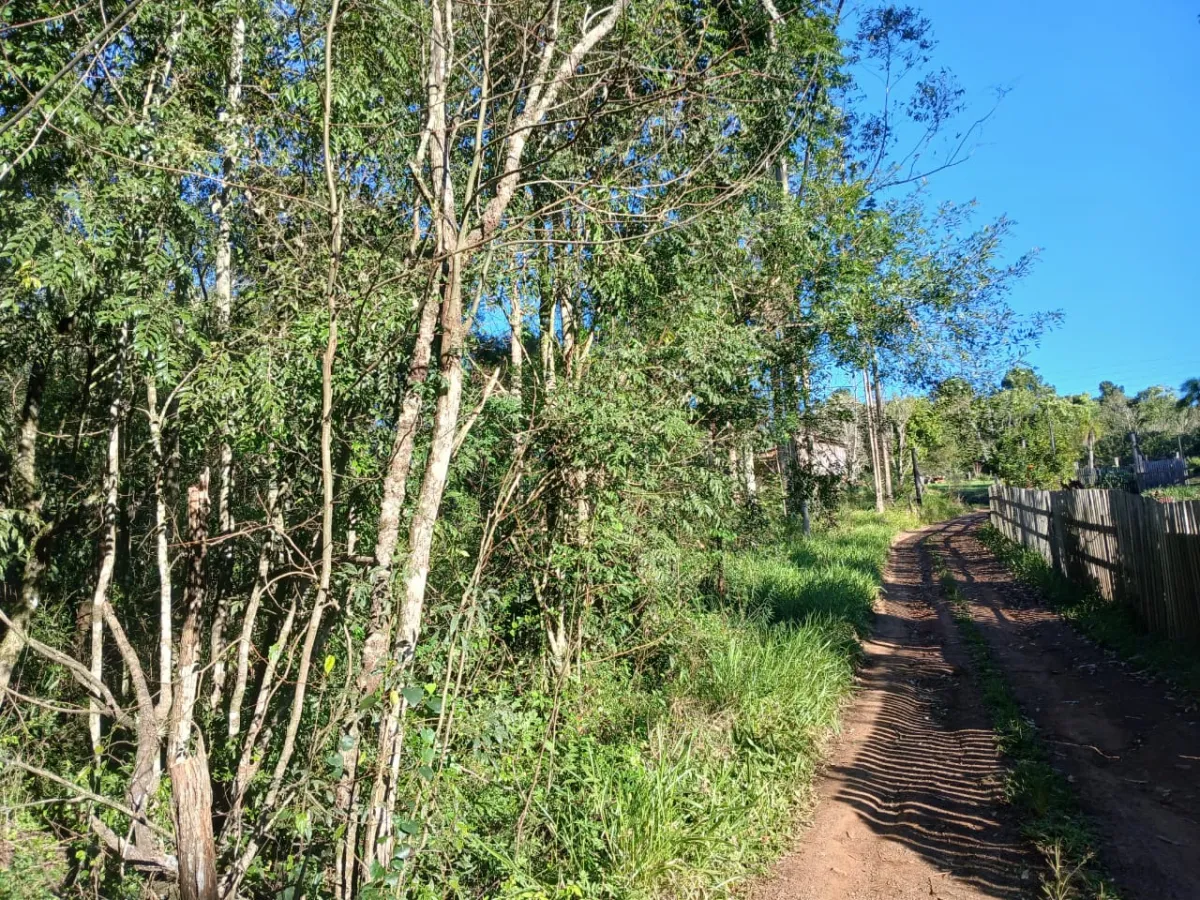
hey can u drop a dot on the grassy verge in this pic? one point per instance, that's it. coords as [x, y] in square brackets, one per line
[1050, 815]
[679, 772]
[671, 762]
[1178, 492]
[973, 493]
[1111, 625]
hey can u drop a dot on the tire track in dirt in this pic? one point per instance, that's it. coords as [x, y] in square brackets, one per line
[910, 804]
[1129, 746]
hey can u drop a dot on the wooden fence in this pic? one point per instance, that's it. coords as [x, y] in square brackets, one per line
[1154, 473]
[1149, 473]
[1131, 549]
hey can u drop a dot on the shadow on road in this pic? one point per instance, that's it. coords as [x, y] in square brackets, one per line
[927, 775]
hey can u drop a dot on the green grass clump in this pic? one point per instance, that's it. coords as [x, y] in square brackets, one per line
[1113, 625]
[677, 773]
[940, 505]
[972, 493]
[777, 686]
[1050, 814]
[835, 572]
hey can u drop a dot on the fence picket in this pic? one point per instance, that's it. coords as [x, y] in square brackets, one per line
[1131, 549]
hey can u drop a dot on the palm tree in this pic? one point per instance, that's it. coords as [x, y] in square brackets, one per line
[1087, 412]
[1093, 431]
[1190, 390]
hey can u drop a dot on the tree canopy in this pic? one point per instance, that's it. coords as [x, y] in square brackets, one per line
[369, 365]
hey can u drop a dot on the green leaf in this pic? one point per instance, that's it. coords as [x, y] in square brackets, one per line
[336, 764]
[408, 826]
[413, 694]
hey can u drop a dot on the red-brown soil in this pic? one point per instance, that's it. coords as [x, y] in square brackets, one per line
[1128, 743]
[910, 804]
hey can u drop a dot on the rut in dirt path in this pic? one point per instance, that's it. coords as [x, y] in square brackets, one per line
[1129, 745]
[910, 805]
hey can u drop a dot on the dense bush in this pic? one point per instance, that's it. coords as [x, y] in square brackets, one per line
[672, 770]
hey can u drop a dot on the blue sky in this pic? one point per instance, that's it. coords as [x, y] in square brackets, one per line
[1095, 153]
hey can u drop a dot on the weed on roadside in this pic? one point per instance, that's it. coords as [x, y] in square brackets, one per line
[1050, 816]
[678, 773]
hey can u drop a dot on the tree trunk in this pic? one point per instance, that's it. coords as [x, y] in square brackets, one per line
[873, 444]
[882, 432]
[395, 485]
[853, 450]
[250, 616]
[546, 329]
[223, 260]
[108, 542]
[191, 791]
[191, 800]
[785, 453]
[27, 493]
[783, 483]
[918, 487]
[809, 446]
[420, 544]
[223, 303]
[516, 347]
[161, 552]
[321, 600]
[749, 481]
[250, 762]
[375, 648]
[454, 245]
[143, 781]
[14, 638]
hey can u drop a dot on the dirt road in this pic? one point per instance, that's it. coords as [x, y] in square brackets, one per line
[910, 805]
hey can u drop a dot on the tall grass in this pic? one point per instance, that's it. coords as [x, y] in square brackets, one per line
[677, 774]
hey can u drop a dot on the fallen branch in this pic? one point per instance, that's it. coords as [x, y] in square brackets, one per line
[131, 852]
[87, 681]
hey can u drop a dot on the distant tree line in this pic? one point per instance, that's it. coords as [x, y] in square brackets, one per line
[1027, 434]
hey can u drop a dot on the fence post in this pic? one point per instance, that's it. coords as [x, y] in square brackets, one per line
[1131, 549]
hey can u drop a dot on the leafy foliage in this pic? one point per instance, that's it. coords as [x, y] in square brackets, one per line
[395, 398]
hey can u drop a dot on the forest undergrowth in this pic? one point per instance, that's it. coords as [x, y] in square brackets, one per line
[674, 769]
[678, 769]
